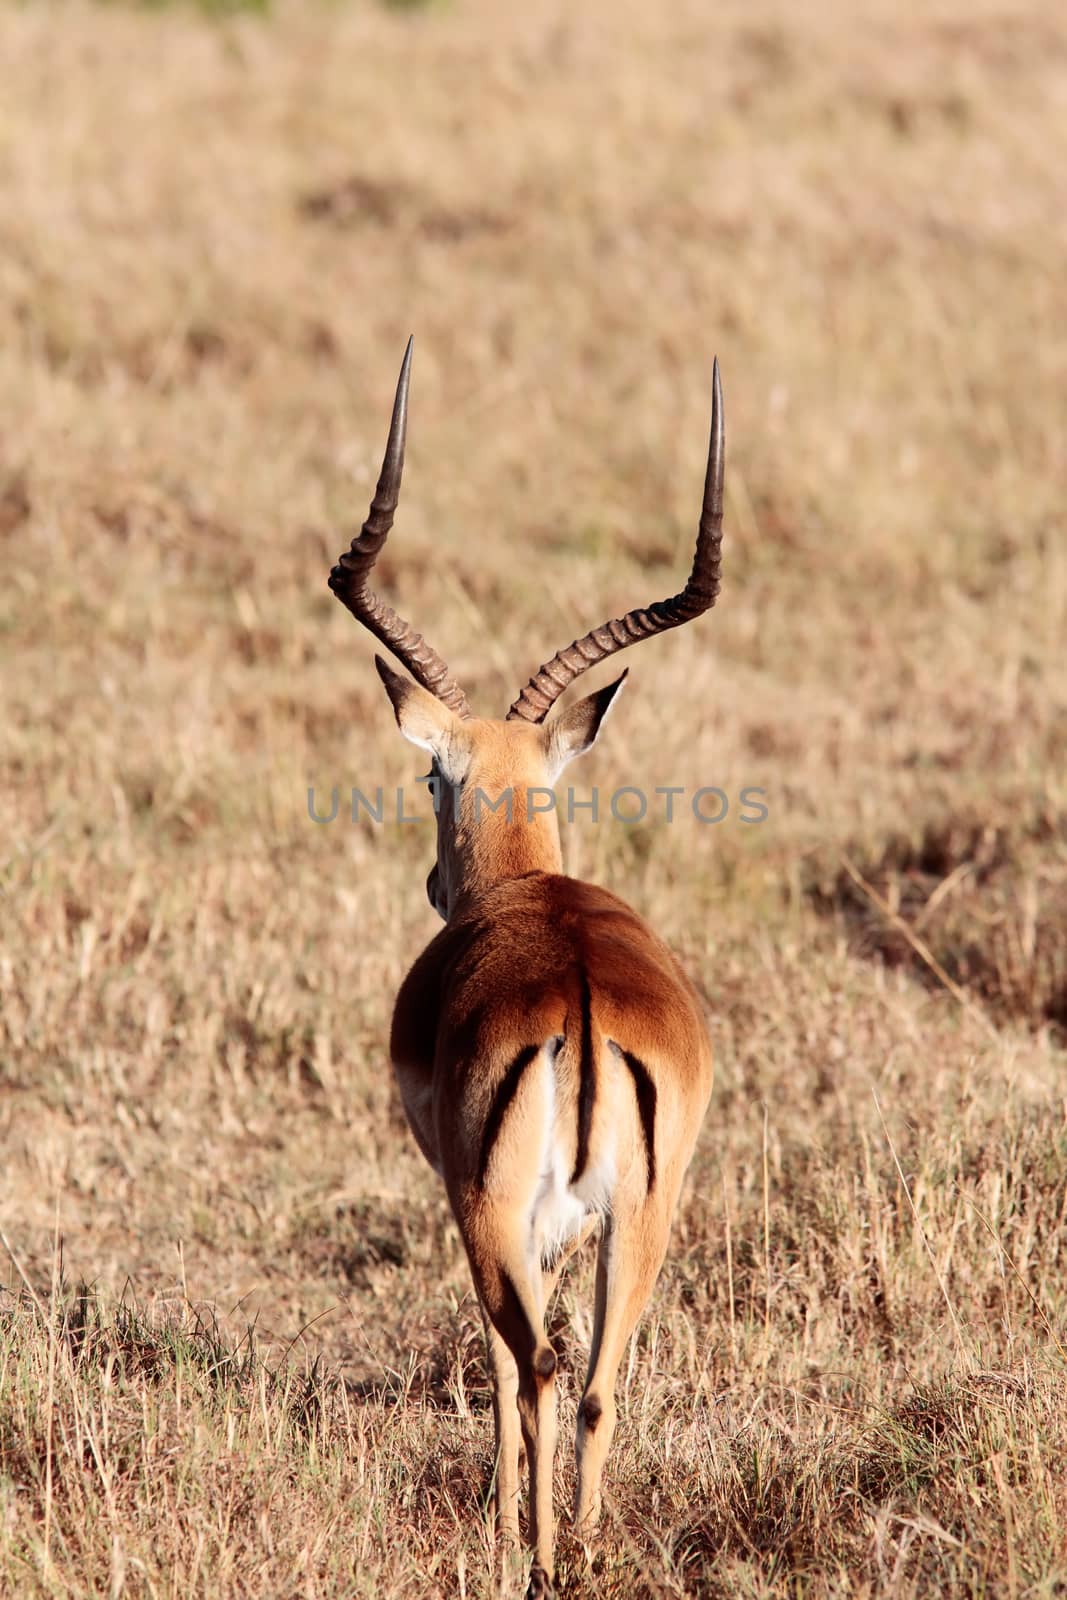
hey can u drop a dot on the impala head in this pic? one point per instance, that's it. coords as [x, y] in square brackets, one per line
[492, 783]
[491, 821]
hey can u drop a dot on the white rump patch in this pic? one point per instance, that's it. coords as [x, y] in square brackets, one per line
[559, 1207]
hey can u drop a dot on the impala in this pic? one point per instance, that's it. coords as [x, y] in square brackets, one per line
[550, 1051]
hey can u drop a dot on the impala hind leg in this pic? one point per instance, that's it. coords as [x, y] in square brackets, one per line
[628, 1264]
[550, 1276]
[504, 1382]
[512, 1305]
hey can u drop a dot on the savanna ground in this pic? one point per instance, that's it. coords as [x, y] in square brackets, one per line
[240, 1352]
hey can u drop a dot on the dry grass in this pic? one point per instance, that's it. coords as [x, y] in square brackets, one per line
[215, 237]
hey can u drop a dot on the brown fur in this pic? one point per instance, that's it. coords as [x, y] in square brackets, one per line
[534, 974]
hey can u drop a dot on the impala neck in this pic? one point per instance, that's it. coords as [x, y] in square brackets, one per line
[486, 847]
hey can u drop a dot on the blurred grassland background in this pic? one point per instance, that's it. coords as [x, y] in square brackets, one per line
[240, 1355]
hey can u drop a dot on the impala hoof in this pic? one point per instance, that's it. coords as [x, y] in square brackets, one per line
[540, 1586]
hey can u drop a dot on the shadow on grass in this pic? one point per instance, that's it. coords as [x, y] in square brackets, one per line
[986, 898]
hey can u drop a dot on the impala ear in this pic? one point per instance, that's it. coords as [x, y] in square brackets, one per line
[427, 722]
[576, 730]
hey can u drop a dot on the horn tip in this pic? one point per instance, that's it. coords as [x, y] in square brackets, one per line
[405, 375]
[405, 365]
[716, 414]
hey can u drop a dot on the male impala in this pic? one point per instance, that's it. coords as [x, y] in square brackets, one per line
[550, 1051]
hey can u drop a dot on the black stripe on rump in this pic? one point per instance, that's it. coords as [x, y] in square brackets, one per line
[645, 1090]
[586, 1082]
[505, 1094]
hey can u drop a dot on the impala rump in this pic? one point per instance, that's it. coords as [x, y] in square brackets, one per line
[567, 1121]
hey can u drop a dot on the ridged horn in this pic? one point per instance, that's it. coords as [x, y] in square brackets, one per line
[698, 596]
[350, 578]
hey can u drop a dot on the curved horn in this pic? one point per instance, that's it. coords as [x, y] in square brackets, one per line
[350, 578]
[549, 682]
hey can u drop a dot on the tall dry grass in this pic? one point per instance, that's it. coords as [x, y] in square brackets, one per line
[240, 1354]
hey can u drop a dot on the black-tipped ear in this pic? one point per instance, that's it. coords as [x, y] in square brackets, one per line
[397, 687]
[427, 721]
[576, 730]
